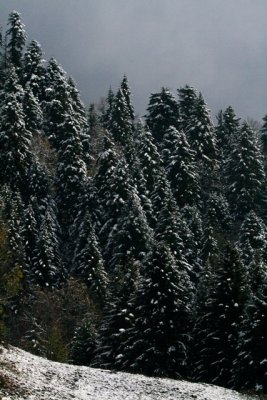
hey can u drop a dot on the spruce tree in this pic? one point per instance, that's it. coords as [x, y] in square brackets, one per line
[201, 134]
[181, 168]
[33, 69]
[121, 124]
[15, 139]
[162, 113]
[187, 101]
[48, 270]
[117, 318]
[129, 239]
[157, 344]
[71, 171]
[16, 39]
[245, 175]
[106, 116]
[87, 262]
[127, 95]
[249, 368]
[218, 320]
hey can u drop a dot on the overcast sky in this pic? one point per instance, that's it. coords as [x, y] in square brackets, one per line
[218, 46]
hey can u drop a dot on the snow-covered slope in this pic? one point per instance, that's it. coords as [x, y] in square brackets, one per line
[29, 377]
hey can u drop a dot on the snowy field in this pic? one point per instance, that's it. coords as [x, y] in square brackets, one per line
[33, 378]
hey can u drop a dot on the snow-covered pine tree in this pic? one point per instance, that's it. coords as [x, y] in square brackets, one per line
[227, 132]
[170, 229]
[127, 95]
[16, 39]
[201, 133]
[158, 342]
[129, 239]
[249, 367]
[252, 243]
[244, 173]
[83, 344]
[121, 124]
[187, 100]
[32, 111]
[87, 262]
[48, 270]
[107, 112]
[113, 184]
[162, 112]
[33, 69]
[219, 317]
[181, 168]
[15, 139]
[29, 233]
[80, 117]
[149, 159]
[118, 317]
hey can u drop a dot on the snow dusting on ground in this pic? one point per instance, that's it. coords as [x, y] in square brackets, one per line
[29, 377]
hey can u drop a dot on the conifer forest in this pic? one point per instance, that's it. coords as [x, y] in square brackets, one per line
[130, 244]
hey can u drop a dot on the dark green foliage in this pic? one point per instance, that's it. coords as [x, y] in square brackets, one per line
[118, 316]
[16, 39]
[162, 113]
[48, 269]
[201, 134]
[88, 263]
[83, 344]
[219, 316]
[15, 154]
[181, 168]
[245, 174]
[127, 95]
[187, 101]
[157, 344]
[121, 124]
[250, 365]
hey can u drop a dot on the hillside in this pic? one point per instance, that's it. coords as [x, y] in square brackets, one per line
[25, 376]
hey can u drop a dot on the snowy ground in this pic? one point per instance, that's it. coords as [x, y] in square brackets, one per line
[33, 378]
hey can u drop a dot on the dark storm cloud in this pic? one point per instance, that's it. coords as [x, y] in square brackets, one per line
[219, 46]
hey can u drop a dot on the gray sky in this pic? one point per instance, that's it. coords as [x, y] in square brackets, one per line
[218, 46]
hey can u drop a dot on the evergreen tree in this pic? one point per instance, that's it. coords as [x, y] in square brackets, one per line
[129, 239]
[181, 168]
[162, 113]
[88, 262]
[218, 321]
[157, 344]
[150, 161]
[71, 171]
[47, 270]
[227, 132]
[33, 69]
[245, 174]
[83, 343]
[170, 230]
[250, 365]
[201, 134]
[127, 95]
[188, 98]
[121, 124]
[16, 39]
[32, 111]
[106, 116]
[15, 139]
[30, 237]
[118, 317]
